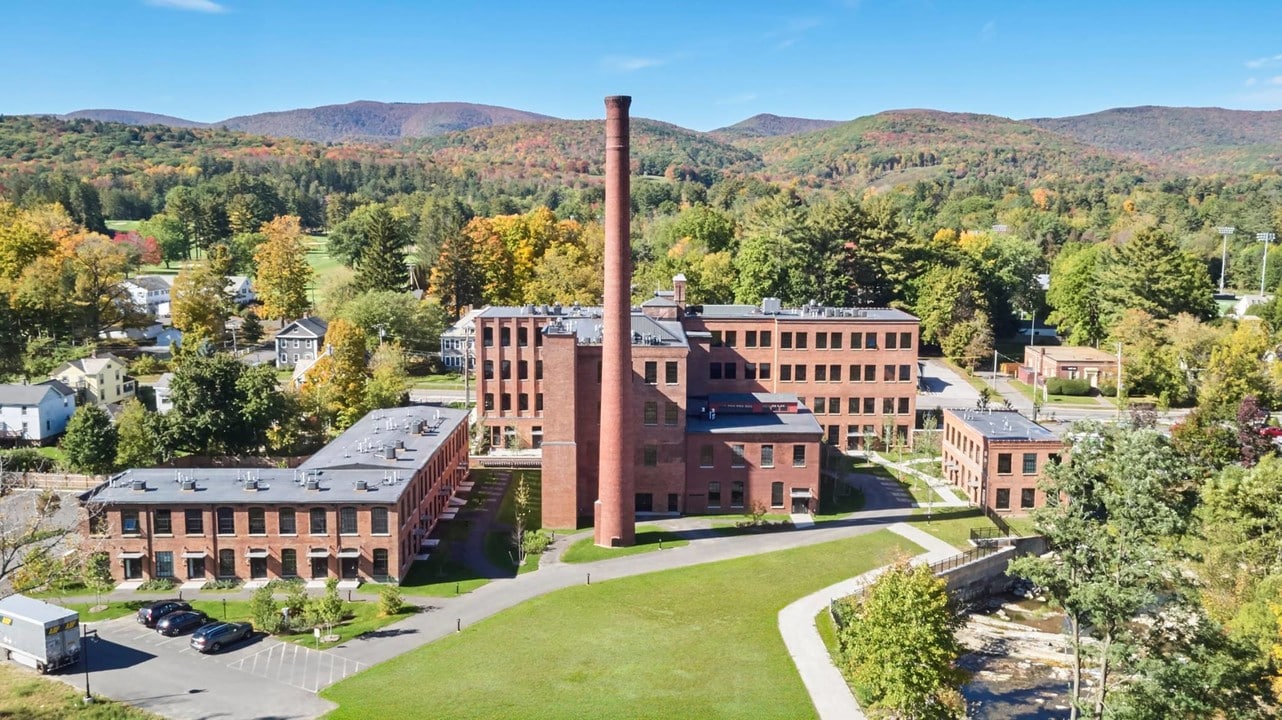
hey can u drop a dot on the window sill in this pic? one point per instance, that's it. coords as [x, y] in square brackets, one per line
[163, 535]
[287, 534]
[255, 535]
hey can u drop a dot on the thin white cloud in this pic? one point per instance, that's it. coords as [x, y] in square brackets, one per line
[617, 63]
[988, 31]
[1249, 82]
[1275, 80]
[791, 31]
[738, 99]
[1263, 61]
[204, 6]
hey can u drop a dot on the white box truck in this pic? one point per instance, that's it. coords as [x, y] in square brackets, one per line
[38, 634]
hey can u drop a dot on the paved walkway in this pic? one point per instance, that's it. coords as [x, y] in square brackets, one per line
[948, 498]
[827, 686]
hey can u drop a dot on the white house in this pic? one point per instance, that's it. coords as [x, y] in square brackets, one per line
[163, 402]
[149, 293]
[35, 414]
[240, 289]
[300, 341]
[459, 339]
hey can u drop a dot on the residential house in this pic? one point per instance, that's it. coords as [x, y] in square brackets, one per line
[35, 414]
[458, 340]
[149, 293]
[300, 340]
[97, 380]
[240, 289]
[161, 387]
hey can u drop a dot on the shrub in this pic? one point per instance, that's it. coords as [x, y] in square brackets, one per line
[390, 600]
[296, 602]
[262, 607]
[147, 364]
[1063, 386]
[224, 584]
[285, 584]
[1108, 389]
[26, 460]
[536, 542]
[157, 584]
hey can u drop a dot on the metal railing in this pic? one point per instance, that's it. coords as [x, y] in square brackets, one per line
[999, 522]
[986, 536]
[964, 558]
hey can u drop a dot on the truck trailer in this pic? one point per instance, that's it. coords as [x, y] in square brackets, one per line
[38, 634]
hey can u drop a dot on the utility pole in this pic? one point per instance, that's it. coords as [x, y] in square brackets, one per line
[1266, 238]
[1120, 386]
[994, 367]
[1032, 329]
[1225, 231]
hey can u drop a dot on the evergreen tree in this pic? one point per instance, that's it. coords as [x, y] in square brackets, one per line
[382, 265]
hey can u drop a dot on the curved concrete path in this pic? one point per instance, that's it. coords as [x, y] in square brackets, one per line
[827, 686]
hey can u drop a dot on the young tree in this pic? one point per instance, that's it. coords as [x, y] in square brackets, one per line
[264, 610]
[898, 640]
[1237, 368]
[388, 383]
[326, 610]
[390, 600]
[26, 526]
[284, 274]
[90, 441]
[140, 437]
[252, 328]
[520, 516]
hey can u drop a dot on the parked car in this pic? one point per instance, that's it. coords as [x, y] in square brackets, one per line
[216, 636]
[151, 614]
[177, 623]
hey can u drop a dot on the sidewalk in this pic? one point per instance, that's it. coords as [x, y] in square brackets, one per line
[948, 498]
[827, 686]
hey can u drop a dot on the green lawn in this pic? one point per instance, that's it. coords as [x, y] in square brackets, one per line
[110, 612]
[25, 695]
[360, 617]
[697, 642]
[1083, 400]
[122, 225]
[916, 487]
[827, 628]
[438, 382]
[649, 538]
[438, 576]
[951, 524]
[837, 499]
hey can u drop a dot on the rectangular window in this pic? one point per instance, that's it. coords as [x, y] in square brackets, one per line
[347, 521]
[1027, 497]
[286, 521]
[785, 373]
[318, 521]
[802, 341]
[487, 369]
[522, 370]
[870, 406]
[821, 373]
[767, 456]
[226, 562]
[834, 373]
[799, 373]
[671, 414]
[289, 562]
[834, 406]
[506, 402]
[523, 336]
[488, 402]
[765, 338]
[763, 371]
[257, 521]
[705, 456]
[820, 406]
[193, 522]
[798, 455]
[538, 369]
[821, 341]
[736, 456]
[888, 373]
[736, 493]
[749, 371]
[776, 494]
[538, 402]
[1030, 463]
[732, 371]
[670, 372]
[716, 339]
[523, 402]
[651, 372]
[651, 413]
[890, 341]
[164, 523]
[714, 495]
[903, 406]
[856, 374]
[1003, 498]
[129, 522]
[714, 371]
[905, 341]
[856, 341]
[487, 337]
[505, 369]
[164, 564]
[1003, 463]
[750, 338]
[785, 340]
[852, 406]
[870, 373]
[226, 521]
[650, 455]
[834, 341]
[731, 337]
[505, 337]
[380, 562]
[905, 373]
[888, 406]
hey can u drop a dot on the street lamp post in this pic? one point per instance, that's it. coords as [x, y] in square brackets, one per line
[1266, 238]
[84, 657]
[1225, 231]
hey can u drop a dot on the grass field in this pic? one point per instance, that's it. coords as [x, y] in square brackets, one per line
[697, 642]
[1075, 400]
[649, 538]
[24, 695]
[951, 524]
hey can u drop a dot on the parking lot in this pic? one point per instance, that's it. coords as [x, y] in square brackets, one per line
[259, 678]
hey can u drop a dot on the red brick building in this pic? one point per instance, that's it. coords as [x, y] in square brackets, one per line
[358, 508]
[997, 457]
[1068, 362]
[816, 374]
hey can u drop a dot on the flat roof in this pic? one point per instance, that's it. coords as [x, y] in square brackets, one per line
[362, 445]
[37, 611]
[761, 397]
[1002, 424]
[800, 423]
[1072, 353]
[806, 313]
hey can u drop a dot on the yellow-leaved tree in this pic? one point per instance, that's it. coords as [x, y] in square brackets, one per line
[283, 274]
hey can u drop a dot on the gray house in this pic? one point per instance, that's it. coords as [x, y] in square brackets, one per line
[300, 340]
[35, 414]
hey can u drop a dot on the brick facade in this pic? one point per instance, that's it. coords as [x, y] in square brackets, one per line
[997, 458]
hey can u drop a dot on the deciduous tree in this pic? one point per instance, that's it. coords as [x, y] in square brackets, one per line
[140, 437]
[284, 275]
[198, 304]
[90, 441]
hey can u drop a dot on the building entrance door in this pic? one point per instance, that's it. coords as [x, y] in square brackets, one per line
[320, 567]
[133, 568]
[257, 568]
[645, 502]
[800, 505]
[195, 568]
[349, 565]
[673, 501]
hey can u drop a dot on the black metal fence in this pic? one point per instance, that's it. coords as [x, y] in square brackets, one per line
[999, 522]
[960, 559]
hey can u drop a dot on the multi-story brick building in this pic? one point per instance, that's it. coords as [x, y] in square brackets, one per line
[997, 457]
[358, 508]
[782, 377]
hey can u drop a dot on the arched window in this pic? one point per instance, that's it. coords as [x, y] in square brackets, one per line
[257, 521]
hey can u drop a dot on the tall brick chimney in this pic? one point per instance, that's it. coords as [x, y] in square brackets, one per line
[614, 511]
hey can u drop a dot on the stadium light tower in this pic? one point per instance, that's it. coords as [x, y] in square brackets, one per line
[1266, 238]
[1224, 231]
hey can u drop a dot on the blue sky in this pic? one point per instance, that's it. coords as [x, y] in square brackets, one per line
[695, 63]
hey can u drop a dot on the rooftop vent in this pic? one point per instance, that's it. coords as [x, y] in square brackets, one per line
[361, 485]
[138, 485]
[187, 484]
[389, 452]
[771, 305]
[251, 484]
[313, 483]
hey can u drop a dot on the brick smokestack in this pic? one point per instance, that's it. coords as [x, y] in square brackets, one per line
[615, 514]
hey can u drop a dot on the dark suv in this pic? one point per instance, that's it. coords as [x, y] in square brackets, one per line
[215, 637]
[151, 614]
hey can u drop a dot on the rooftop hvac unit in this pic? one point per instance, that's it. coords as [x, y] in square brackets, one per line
[187, 484]
[139, 485]
[251, 484]
[313, 484]
[389, 452]
[361, 485]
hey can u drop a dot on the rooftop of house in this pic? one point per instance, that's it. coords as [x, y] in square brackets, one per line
[372, 462]
[1000, 424]
[90, 365]
[305, 327]
[1071, 353]
[152, 283]
[465, 324]
[24, 394]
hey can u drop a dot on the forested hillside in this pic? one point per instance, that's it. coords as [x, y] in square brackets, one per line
[767, 125]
